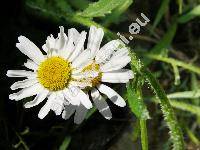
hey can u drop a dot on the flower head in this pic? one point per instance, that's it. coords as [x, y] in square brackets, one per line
[108, 61]
[54, 75]
[67, 74]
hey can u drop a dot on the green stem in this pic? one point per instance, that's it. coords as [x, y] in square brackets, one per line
[169, 116]
[144, 137]
[175, 62]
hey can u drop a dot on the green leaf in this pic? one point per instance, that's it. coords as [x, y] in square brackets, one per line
[190, 15]
[101, 8]
[175, 62]
[79, 4]
[169, 115]
[115, 16]
[185, 94]
[136, 104]
[186, 107]
[164, 42]
[63, 6]
[192, 136]
[65, 143]
[58, 7]
[160, 13]
[90, 113]
[138, 107]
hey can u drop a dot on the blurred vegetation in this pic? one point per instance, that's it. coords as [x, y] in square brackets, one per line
[163, 109]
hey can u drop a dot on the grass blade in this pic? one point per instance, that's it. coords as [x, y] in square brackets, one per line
[175, 62]
[186, 107]
[65, 143]
[190, 15]
[163, 43]
[160, 13]
[185, 94]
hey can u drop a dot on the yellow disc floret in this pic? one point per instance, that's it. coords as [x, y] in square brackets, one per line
[94, 67]
[54, 73]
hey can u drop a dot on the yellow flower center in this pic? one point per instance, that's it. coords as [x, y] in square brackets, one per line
[54, 73]
[94, 67]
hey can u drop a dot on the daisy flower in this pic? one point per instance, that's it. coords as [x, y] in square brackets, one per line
[109, 62]
[54, 75]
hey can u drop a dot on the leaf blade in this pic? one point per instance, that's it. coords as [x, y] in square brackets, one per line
[136, 104]
[101, 8]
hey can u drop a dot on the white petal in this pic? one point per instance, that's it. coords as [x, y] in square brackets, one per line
[101, 104]
[50, 44]
[105, 52]
[31, 65]
[20, 73]
[75, 35]
[68, 111]
[82, 60]
[94, 40]
[61, 40]
[78, 47]
[81, 84]
[58, 103]
[112, 95]
[69, 46]
[57, 107]
[118, 76]
[23, 84]
[38, 99]
[30, 49]
[120, 53]
[70, 94]
[47, 107]
[26, 92]
[52, 52]
[76, 96]
[115, 65]
[85, 75]
[80, 114]
[84, 98]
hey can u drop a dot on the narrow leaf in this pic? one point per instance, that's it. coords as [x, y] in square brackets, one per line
[79, 4]
[192, 136]
[65, 143]
[160, 13]
[190, 15]
[136, 104]
[169, 116]
[115, 16]
[175, 62]
[164, 42]
[186, 107]
[185, 94]
[101, 8]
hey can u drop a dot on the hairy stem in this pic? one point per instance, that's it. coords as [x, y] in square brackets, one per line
[169, 116]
